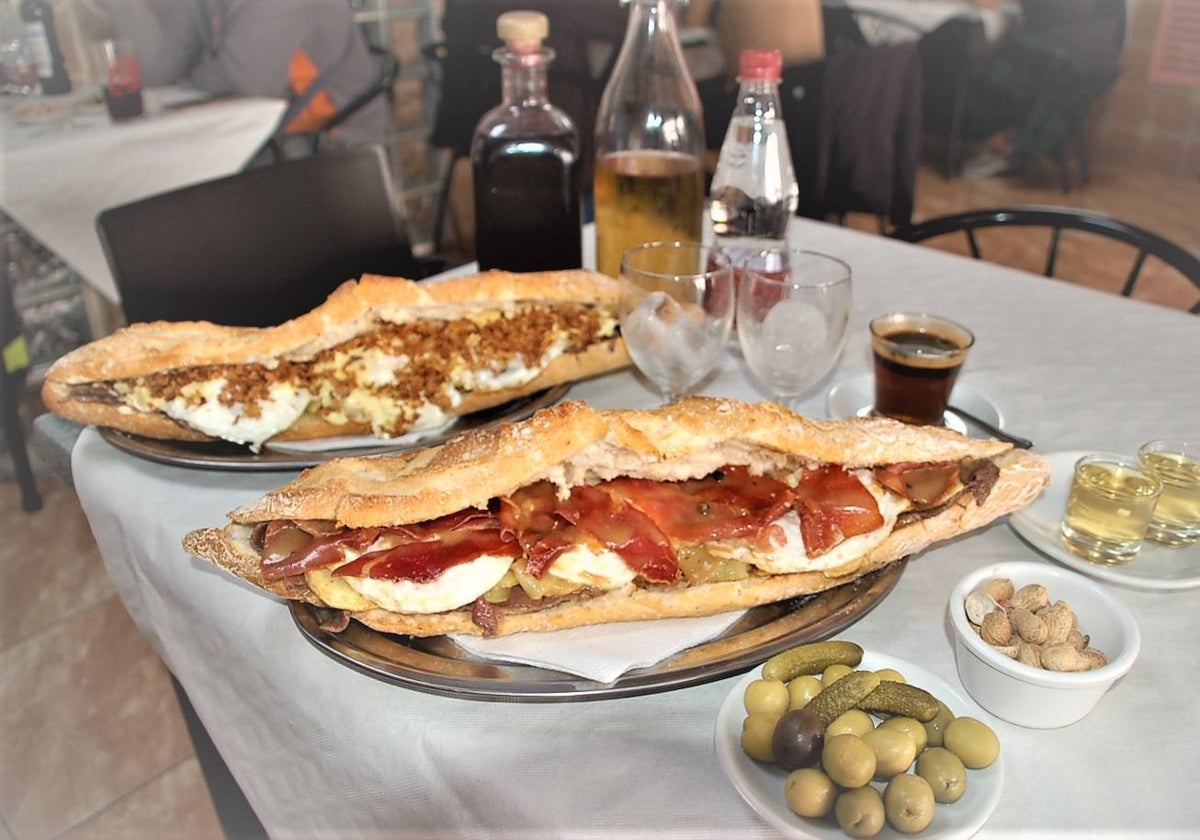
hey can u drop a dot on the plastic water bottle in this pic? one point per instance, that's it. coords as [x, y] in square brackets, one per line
[754, 192]
[41, 38]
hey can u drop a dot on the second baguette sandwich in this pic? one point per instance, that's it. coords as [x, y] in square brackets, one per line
[382, 356]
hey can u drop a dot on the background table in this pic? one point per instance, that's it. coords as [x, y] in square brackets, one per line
[58, 173]
[322, 750]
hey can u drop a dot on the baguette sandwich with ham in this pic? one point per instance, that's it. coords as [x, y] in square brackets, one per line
[581, 516]
[381, 356]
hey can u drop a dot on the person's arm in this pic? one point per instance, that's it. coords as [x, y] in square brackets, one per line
[165, 35]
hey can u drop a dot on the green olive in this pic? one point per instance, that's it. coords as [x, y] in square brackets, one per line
[972, 741]
[801, 690]
[860, 812]
[894, 751]
[911, 727]
[757, 731]
[848, 760]
[834, 673]
[908, 803]
[809, 792]
[936, 728]
[770, 696]
[854, 721]
[945, 773]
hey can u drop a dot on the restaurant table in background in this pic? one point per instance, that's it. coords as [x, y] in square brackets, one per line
[323, 750]
[64, 161]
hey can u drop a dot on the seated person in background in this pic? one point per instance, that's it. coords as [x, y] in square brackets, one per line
[308, 51]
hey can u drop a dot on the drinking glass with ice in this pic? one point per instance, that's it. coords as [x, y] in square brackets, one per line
[676, 311]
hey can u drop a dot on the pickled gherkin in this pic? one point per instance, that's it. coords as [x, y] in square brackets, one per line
[843, 695]
[811, 659]
[894, 698]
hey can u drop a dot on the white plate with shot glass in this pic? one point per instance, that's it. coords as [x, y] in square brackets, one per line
[1155, 567]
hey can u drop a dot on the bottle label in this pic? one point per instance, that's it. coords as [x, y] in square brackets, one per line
[39, 48]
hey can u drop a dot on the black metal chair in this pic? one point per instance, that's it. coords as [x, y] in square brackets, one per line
[1057, 219]
[260, 246]
[12, 387]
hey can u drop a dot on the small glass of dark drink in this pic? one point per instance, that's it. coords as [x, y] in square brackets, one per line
[917, 359]
[123, 81]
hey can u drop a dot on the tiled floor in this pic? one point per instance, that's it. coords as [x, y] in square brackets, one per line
[94, 744]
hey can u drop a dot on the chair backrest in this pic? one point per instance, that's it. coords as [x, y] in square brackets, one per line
[387, 71]
[1057, 219]
[260, 246]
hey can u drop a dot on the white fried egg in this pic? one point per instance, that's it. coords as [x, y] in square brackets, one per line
[602, 569]
[279, 411]
[457, 586]
[792, 556]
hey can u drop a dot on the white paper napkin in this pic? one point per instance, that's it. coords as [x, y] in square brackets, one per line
[601, 652]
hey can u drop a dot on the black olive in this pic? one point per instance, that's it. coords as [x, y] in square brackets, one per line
[798, 740]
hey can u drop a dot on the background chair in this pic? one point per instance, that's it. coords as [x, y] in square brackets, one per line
[1142, 243]
[383, 84]
[12, 387]
[261, 246]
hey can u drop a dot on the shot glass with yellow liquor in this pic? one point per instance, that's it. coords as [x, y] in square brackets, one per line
[1176, 464]
[1109, 507]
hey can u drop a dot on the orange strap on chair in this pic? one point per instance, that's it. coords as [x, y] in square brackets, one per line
[303, 73]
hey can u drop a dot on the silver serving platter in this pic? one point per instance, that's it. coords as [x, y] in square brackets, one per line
[438, 666]
[222, 455]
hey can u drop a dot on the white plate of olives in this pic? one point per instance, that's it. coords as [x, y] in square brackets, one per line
[762, 785]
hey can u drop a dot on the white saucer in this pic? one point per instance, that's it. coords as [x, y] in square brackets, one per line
[1156, 567]
[855, 398]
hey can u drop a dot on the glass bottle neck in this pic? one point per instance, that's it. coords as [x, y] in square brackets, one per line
[523, 75]
[649, 18]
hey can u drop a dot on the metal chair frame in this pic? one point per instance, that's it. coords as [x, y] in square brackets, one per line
[1058, 219]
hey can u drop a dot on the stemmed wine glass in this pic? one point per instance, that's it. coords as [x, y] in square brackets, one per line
[676, 310]
[792, 312]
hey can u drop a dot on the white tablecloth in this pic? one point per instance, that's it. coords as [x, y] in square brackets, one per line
[324, 751]
[57, 174]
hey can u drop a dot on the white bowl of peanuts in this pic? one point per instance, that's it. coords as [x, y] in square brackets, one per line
[1038, 645]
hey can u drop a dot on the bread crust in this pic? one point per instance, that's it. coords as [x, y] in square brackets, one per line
[353, 309]
[574, 443]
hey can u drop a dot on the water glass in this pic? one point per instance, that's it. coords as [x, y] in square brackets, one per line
[1109, 507]
[793, 311]
[676, 308]
[1175, 463]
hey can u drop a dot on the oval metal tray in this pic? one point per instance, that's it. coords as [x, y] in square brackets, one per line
[223, 455]
[437, 666]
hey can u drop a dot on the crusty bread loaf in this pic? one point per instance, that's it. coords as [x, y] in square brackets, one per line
[353, 310]
[572, 444]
